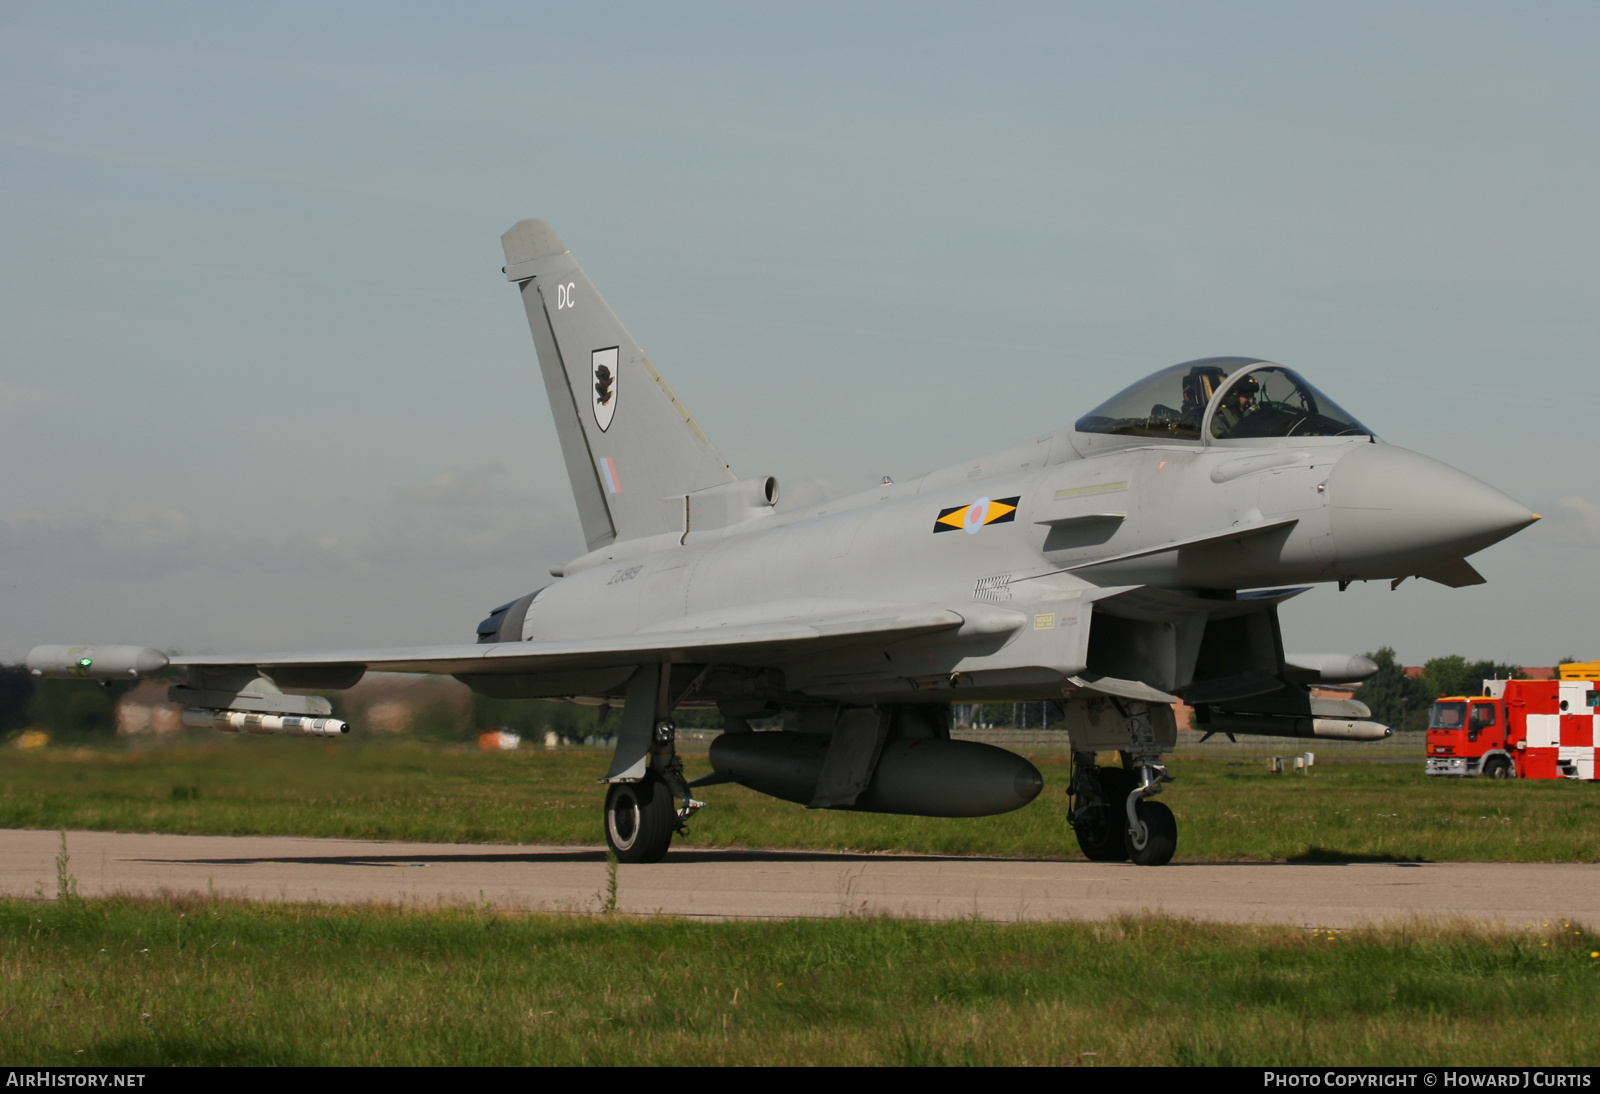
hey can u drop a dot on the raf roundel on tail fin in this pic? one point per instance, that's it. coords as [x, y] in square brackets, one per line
[587, 356]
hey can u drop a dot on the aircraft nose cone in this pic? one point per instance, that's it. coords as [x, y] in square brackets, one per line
[1394, 511]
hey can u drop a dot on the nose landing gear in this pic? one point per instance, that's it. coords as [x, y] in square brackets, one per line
[1151, 835]
[1112, 817]
[1109, 808]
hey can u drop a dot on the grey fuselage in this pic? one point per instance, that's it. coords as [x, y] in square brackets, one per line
[1309, 510]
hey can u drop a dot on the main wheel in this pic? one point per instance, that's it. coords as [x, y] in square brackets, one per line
[1100, 831]
[1156, 838]
[1499, 767]
[640, 819]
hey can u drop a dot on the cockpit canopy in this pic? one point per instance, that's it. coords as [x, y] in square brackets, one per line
[1262, 400]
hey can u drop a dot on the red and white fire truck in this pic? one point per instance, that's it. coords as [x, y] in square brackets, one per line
[1520, 729]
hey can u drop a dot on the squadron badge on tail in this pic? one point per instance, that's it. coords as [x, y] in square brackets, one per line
[604, 364]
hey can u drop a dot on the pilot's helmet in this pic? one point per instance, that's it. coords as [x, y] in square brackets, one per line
[1200, 384]
[1245, 388]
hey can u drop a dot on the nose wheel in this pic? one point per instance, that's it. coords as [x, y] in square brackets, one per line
[1153, 836]
[1113, 817]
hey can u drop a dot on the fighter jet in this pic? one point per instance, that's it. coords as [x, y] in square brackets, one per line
[1131, 558]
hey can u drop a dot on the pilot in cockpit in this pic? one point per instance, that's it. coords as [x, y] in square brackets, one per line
[1267, 401]
[1238, 401]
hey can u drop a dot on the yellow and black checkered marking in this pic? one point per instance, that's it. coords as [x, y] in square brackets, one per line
[996, 511]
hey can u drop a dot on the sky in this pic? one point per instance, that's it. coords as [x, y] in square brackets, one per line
[263, 385]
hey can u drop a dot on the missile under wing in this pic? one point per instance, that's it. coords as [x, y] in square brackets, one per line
[1111, 567]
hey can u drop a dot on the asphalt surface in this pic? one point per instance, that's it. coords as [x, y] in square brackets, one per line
[785, 884]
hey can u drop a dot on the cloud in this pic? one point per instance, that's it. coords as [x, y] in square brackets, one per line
[136, 538]
[1573, 522]
[455, 488]
[18, 398]
[455, 520]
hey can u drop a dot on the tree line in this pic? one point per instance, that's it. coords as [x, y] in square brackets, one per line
[1401, 701]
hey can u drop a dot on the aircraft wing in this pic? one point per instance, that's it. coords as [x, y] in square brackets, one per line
[730, 644]
[793, 627]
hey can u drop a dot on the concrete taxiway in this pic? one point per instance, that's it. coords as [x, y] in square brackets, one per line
[784, 884]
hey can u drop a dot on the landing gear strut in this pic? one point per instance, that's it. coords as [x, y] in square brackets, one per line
[1152, 832]
[640, 819]
[641, 815]
[646, 773]
[1110, 811]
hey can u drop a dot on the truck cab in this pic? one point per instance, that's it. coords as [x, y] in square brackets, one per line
[1467, 736]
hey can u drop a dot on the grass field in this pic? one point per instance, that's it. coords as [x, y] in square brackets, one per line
[1227, 808]
[118, 982]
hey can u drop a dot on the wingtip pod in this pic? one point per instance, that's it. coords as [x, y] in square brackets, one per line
[95, 662]
[526, 242]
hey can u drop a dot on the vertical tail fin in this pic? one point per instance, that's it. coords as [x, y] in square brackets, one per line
[632, 450]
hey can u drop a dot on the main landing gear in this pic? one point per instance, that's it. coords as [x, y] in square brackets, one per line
[1111, 813]
[641, 813]
[640, 819]
[646, 774]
